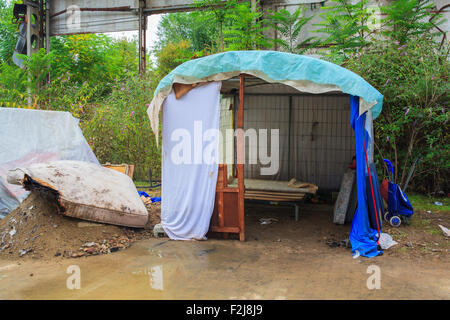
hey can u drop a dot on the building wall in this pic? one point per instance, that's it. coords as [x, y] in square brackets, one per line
[314, 8]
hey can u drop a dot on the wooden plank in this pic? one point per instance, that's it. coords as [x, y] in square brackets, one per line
[275, 186]
[268, 198]
[225, 229]
[221, 199]
[221, 189]
[240, 157]
[343, 199]
[274, 193]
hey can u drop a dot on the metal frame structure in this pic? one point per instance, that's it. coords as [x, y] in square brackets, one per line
[132, 15]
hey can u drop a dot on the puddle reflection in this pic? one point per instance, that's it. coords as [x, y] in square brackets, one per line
[155, 274]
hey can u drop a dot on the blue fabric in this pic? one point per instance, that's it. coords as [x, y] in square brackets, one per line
[390, 166]
[277, 66]
[398, 202]
[362, 237]
[145, 194]
[156, 199]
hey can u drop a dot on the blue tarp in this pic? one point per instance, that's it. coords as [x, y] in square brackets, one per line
[362, 237]
[145, 194]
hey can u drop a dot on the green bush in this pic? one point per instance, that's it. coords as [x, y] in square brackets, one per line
[413, 79]
[118, 129]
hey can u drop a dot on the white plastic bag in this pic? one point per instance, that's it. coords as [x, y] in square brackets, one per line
[36, 136]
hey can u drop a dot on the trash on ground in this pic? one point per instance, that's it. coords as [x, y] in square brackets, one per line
[386, 241]
[145, 197]
[158, 231]
[334, 243]
[445, 230]
[124, 168]
[438, 203]
[86, 191]
[267, 220]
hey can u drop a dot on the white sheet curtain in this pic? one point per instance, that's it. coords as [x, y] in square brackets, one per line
[189, 164]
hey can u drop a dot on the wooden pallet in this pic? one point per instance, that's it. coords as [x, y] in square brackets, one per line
[273, 195]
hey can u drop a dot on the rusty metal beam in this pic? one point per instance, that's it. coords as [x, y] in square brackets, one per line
[117, 9]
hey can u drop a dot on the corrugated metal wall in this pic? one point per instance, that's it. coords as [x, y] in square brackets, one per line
[316, 139]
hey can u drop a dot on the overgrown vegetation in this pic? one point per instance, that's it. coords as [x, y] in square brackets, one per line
[95, 77]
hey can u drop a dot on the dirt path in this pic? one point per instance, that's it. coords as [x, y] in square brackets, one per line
[282, 260]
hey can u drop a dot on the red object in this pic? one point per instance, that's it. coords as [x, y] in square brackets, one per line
[373, 196]
[353, 165]
[384, 189]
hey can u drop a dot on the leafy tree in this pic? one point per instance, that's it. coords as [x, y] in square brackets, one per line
[36, 69]
[199, 28]
[246, 31]
[413, 79]
[408, 18]
[8, 31]
[290, 26]
[172, 55]
[117, 128]
[13, 82]
[345, 25]
[219, 9]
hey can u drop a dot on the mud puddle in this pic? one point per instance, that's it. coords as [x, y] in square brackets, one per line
[218, 269]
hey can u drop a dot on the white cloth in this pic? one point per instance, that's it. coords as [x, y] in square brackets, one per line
[188, 177]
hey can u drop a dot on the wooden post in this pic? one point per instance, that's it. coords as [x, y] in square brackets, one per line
[141, 37]
[240, 159]
[47, 34]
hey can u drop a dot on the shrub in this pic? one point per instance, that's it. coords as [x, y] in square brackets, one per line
[413, 78]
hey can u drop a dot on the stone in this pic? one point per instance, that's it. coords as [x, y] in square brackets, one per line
[158, 231]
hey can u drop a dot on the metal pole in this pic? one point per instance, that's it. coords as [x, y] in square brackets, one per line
[144, 49]
[47, 33]
[47, 26]
[142, 35]
[28, 21]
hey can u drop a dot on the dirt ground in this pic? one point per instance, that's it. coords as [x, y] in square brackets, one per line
[422, 239]
[284, 259]
[35, 230]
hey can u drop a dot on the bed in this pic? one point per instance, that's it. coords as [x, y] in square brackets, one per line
[287, 192]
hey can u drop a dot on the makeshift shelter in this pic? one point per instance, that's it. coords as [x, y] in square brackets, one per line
[36, 136]
[312, 103]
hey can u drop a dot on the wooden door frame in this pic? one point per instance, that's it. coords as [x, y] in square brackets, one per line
[234, 208]
[240, 158]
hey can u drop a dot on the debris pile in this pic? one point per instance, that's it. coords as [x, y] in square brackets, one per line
[36, 230]
[154, 211]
